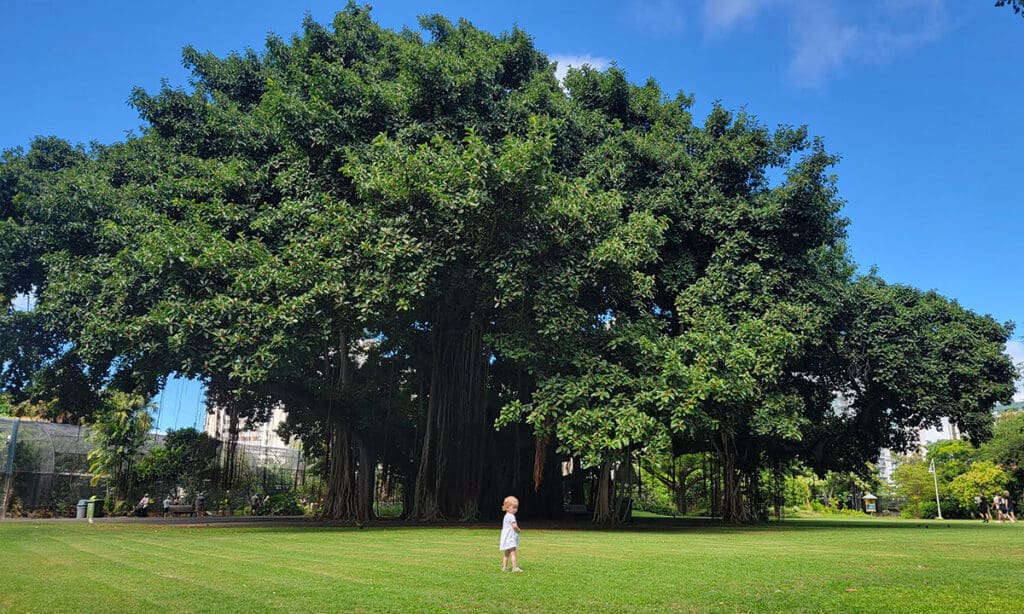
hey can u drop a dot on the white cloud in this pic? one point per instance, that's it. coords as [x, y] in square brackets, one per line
[826, 35]
[1015, 349]
[565, 61]
[657, 16]
[721, 15]
[821, 42]
[900, 26]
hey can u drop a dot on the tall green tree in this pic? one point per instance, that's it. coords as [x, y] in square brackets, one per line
[711, 328]
[187, 459]
[116, 435]
[1006, 448]
[394, 234]
[252, 244]
[984, 478]
[902, 360]
[915, 484]
[39, 366]
[951, 457]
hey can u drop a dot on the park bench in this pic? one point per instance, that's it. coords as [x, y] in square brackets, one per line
[578, 509]
[181, 509]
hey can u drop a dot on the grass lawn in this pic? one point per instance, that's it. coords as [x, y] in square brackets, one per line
[841, 565]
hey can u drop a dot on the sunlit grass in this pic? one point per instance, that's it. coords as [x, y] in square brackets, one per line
[804, 565]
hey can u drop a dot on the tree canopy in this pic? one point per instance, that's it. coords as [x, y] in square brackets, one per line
[407, 238]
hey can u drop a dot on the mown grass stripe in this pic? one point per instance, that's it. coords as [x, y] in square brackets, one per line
[812, 567]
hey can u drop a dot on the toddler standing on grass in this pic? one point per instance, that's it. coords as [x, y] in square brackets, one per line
[509, 534]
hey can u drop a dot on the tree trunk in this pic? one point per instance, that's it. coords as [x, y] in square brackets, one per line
[678, 482]
[624, 479]
[448, 480]
[715, 479]
[682, 505]
[735, 509]
[351, 478]
[732, 497]
[228, 467]
[352, 469]
[603, 512]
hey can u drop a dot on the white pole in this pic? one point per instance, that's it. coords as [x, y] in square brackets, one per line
[935, 478]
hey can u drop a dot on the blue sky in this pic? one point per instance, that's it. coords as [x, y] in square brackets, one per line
[920, 98]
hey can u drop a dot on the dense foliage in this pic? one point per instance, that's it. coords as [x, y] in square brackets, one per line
[963, 473]
[281, 504]
[116, 434]
[187, 459]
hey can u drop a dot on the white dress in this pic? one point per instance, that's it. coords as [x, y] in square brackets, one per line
[509, 536]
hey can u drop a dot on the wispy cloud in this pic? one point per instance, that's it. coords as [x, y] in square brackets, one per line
[822, 43]
[565, 61]
[826, 35]
[900, 26]
[1015, 349]
[658, 17]
[721, 15]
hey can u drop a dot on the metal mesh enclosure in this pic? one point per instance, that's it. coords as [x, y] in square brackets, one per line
[273, 468]
[50, 468]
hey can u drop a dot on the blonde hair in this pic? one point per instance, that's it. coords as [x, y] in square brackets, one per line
[509, 502]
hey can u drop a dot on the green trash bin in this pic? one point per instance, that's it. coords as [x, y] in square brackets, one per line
[94, 508]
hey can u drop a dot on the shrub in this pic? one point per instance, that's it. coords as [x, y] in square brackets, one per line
[63, 508]
[281, 504]
[798, 490]
[17, 509]
[118, 507]
[654, 504]
[950, 509]
[389, 510]
[654, 497]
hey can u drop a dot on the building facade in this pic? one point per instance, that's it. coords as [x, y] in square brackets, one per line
[217, 423]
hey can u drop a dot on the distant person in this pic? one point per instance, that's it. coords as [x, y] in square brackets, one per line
[142, 507]
[167, 505]
[509, 534]
[254, 503]
[982, 504]
[1011, 507]
[999, 506]
[200, 504]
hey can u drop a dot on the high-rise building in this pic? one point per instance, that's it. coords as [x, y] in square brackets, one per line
[265, 434]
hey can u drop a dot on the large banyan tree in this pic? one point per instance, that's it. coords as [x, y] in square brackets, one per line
[408, 238]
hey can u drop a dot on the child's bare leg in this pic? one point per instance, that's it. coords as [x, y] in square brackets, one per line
[512, 555]
[504, 560]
